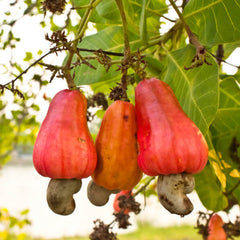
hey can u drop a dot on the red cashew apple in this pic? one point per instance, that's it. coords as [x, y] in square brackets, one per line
[170, 143]
[216, 231]
[64, 148]
[116, 206]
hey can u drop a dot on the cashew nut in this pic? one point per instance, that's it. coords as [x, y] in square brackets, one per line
[98, 195]
[60, 195]
[172, 190]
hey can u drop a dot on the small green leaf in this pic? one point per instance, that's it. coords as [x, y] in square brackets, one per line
[28, 56]
[24, 212]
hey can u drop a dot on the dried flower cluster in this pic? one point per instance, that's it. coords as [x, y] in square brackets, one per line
[102, 231]
[126, 202]
[54, 6]
[98, 99]
[117, 92]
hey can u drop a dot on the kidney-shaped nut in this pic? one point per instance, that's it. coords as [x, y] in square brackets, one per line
[98, 195]
[172, 190]
[60, 195]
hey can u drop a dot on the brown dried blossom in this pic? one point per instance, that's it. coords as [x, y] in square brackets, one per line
[102, 231]
[54, 6]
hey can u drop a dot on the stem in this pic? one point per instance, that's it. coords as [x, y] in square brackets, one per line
[232, 190]
[192, 37]
[24, 72]
[144, 186]
[81, 30]
[127, 51]
[178, 11]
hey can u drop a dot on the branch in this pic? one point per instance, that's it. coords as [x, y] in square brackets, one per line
[12, 82]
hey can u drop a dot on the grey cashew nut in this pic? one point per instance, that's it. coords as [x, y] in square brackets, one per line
[98, 195]
[60, 195]
[172, 190]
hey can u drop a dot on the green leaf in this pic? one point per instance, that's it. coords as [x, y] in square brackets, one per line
[154, 66]
[109, 39]
[228, 116]
[229, 93]
[24, 212]
[85, 75]
[226, 121]
[214, 21]
[226, 125]
[35, 107]
[209, 190]
[196, 89]
[28, 56]
[95, 18]
[109, 10]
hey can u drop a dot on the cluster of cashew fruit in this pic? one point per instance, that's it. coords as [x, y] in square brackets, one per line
[154, 137]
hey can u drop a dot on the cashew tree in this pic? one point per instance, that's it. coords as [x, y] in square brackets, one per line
[110, 46]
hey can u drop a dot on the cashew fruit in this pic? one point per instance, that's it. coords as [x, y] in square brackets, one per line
[216, 231]
[64, 148]
[116, 146]
[116, 206]
[169, 141]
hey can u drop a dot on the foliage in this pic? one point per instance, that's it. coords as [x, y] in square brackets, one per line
[128, 43]
[12, 227]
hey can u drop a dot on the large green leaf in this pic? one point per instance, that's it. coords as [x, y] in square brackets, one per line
[109, 10]
[229, 93]
[109, 39]
[196, 89]
[226, 125]
[94, 17]
[209, 190]
[228, 116]
[214, 21]
[225, 131]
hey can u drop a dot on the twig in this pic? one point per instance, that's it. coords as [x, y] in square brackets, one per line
[4, 86]
[233, 188]
[105, 52]
[144, 186]
[222, 60]
[200, 57]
